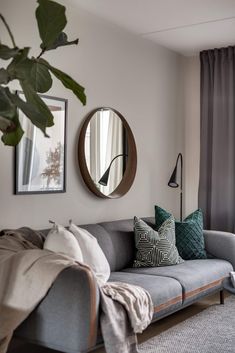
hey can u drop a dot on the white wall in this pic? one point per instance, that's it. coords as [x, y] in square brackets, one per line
[191, 67]
[141, 80]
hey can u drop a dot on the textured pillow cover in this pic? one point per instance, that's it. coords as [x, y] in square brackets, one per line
[189, 233]
[155, 248]
[60, 240]
[92, 253]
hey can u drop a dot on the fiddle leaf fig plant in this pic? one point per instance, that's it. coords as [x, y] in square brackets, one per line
[34, 74]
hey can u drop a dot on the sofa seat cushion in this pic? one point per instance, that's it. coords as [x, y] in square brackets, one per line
[197, 277]
[166, 293]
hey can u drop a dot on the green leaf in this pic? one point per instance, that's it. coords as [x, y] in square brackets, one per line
[31, 111]
[51, 21]
[4, 77]
[7, 107]
[4, 123]
[61, 41]
[40, 77]
[31, 70]
[21, 65]
[7, 53]
[68, 82]
[44, 117]
[13, 135]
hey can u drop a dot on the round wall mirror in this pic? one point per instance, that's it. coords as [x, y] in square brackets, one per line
[107, 153]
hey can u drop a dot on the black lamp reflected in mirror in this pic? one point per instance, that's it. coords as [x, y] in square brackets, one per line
[105, 177]
[173, 181]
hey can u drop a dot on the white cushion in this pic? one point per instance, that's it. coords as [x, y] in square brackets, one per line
[60, 240]
[92, 253]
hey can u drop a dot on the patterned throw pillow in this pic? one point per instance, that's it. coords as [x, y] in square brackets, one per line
[189, 233]
[155, 248]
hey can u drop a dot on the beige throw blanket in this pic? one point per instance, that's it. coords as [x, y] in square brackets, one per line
[135, 300]
[126, 310]
[27, 273]
[25, 278]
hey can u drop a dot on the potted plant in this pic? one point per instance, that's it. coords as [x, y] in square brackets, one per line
[35, 74]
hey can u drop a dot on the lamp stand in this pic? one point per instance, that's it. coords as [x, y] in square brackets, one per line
[181, 206]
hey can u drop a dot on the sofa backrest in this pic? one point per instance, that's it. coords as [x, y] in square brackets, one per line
[116, 238]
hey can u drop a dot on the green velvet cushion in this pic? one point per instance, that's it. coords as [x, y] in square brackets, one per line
[189, 233]
[155, 248]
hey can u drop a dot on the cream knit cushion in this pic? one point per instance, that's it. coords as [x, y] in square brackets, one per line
[60, 240]
[92, 253]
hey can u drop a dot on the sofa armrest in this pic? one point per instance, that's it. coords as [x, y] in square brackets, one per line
[67, 318]
[220, 244]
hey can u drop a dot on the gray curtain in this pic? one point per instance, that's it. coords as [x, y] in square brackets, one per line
[217, 163]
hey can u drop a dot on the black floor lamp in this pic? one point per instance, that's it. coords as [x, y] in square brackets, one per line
[173, 181]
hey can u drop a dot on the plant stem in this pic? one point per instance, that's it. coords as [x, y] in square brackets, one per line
[42, 52]
[8, 29]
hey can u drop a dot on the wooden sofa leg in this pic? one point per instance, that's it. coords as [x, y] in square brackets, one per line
[221, 294]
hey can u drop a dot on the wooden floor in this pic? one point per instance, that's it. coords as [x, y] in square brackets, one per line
[153, 330]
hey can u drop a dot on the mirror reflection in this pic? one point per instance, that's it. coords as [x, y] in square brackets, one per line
[106, 150]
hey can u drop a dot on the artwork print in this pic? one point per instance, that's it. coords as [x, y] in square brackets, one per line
[40, 162]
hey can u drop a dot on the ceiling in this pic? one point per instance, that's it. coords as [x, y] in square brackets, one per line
[185, 26]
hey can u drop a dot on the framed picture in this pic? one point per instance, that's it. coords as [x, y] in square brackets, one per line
[40, 162]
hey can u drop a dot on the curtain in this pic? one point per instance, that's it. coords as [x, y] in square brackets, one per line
[106, 142]
[217, 162]
[95, 147]
[114, 148]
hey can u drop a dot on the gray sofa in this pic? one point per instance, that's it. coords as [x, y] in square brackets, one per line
[68, 318]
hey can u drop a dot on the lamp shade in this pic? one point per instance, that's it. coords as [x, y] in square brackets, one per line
[104, 179]
[172, 182]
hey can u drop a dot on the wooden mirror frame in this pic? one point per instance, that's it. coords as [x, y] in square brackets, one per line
[130, 171]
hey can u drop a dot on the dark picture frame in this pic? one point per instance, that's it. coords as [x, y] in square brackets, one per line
[40, 162]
